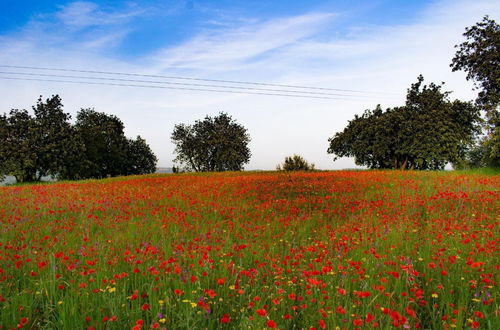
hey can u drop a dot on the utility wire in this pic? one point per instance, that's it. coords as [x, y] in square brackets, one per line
[176, 88]
[190, 78]
[181, 84]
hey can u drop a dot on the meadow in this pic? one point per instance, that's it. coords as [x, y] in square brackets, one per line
[322, 250]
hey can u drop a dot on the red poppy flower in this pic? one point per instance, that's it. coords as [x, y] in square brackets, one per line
[225, 319]
[262, 312]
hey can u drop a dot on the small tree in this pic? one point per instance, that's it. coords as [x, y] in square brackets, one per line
[295, 163]
[213, 144]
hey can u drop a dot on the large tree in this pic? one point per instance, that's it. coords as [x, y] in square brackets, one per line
[105, 144]
[19, 153]
[107, 152]
[479, 56]
[426, 133]
[54, 138]
[47, 144]
[140, 157]
[213, 144]
[3, 137]
[39, 145]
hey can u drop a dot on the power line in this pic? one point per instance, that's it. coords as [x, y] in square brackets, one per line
[191, 78]
[181, 84]
[176, 88]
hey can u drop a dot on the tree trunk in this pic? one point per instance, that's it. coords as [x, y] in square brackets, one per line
[403, 166]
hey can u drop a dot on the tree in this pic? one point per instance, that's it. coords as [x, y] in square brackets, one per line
[426, 133]
[19, 154]
[479, 56]
[140, 158]
[37, 146]
[295, 163]
[3, 137]
[105, 144]
[47, 144]
[213, 144]
[53, 138]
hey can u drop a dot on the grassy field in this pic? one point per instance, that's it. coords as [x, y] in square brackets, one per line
[324, 250]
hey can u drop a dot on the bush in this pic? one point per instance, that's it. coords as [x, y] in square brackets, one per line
[295, 163]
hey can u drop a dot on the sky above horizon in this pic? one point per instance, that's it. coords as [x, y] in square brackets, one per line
[377, 48]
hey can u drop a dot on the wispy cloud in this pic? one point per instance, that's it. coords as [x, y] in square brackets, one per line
[229, 49]
[82, 14]
[77, 26]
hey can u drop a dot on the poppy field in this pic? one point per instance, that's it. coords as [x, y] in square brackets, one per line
[320, 250]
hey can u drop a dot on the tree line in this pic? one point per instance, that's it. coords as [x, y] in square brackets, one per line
[429, 131]
[45, 143]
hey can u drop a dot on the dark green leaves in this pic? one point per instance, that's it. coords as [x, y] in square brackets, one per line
[426, 133]
[47, 144]
[479, 56]
[213, 144]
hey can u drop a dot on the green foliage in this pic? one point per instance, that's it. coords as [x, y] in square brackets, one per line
[295, 163]
[3, 137]
[105, 144]
[480, 155]
[479, 56]
[19, 154]
[53, 137]
[213, 144]
[426, 133]
[46, 144]
[140, 157]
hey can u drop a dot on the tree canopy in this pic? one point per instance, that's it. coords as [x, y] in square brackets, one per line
[105, 143]
[213, 144]
[426, 133]
[140, 157]
[47, 144]
[479, 56]
[36, 146]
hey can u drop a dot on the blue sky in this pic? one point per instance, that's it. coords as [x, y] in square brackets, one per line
[154, 24]
[374, 46]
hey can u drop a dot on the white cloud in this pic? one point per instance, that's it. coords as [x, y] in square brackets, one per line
[291, 50]
[82, 14]
[229, 49]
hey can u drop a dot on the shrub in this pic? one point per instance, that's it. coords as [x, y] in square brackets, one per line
[295, 163]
